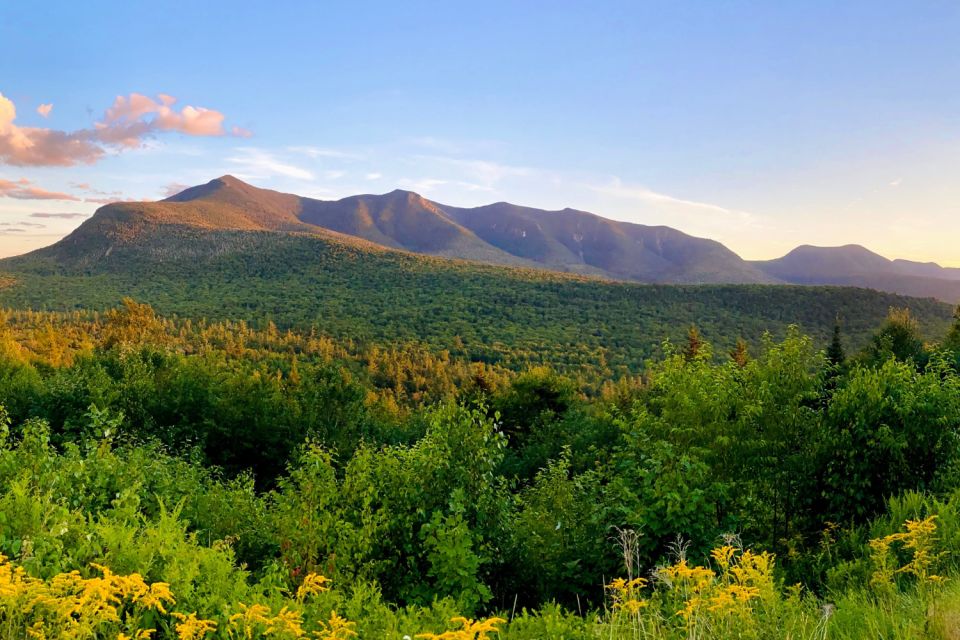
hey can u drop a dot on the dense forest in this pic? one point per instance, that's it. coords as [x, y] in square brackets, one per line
[510, 317]
[165, 477]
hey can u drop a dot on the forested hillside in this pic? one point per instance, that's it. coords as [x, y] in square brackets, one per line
[508, 316]
[212, 480]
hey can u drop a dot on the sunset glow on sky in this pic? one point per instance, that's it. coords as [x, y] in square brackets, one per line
[761, 125]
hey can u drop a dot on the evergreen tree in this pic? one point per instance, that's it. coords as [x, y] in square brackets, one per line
[835, 353]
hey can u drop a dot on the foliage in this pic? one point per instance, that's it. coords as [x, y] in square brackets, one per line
[237, 466]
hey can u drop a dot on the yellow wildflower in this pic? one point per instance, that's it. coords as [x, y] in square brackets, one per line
[312, 584]
[191, 627]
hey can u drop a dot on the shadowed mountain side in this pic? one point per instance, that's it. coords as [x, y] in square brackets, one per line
[579, 241]
[853, 265]
[501, 233]
[567, 241]
[404, 220]
[570, 241]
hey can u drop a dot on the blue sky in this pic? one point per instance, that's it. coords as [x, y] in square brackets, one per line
[761, 124]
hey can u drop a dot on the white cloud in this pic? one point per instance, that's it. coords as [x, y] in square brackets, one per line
[617, 189]
[373, 176]
[423, 185]
[257, 163]
[321, 152]
[483, 172]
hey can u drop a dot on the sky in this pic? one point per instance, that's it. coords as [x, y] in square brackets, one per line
[764, 125]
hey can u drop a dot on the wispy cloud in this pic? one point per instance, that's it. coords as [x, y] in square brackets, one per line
[32, 225]
[616, 188]
[109, 200]
[45, 109]
[485, 173]
[373, 176]
[125, 125]
[453, 147]
[173, 189]
[322, 152]
[426, 185]
[258, 163]
[62, 216]
[23, 189]
[896, 183]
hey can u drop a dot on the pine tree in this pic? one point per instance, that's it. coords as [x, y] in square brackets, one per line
[835, 352]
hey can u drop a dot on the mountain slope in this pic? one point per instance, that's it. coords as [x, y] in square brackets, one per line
[568, 240]
[853, 265]
[227, 217]
[581, 242]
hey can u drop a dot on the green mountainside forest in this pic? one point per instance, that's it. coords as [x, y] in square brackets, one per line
[499, 315]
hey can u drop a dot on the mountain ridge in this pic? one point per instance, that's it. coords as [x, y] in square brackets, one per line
[855, 265]
[567, 240]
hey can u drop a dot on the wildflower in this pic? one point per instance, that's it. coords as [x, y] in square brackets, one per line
[470, 630]
[338, 629]
[312, 584]
[286, 622]
[191, 627]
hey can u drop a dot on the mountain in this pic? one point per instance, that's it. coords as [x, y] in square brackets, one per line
[226, 250]
[355, 290]
[853, 265]
[569, 241]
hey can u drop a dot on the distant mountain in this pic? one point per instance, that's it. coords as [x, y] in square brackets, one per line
[568, 241]
[853, 265]
[357, 269]
[926, 269]
[502, 233]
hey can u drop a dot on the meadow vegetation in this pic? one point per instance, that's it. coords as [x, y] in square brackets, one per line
[174, 479]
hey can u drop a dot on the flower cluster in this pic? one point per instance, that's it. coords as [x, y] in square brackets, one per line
[469, 630]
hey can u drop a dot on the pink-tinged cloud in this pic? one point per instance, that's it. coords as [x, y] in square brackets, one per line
[106, 200]
[24, 190]
[31, 146]
[45, 110]
[31, 225]
[240, 132]
[64, 216]
[124, 121]
[125, 125]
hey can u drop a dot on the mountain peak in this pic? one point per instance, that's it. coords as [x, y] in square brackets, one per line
[225, 182]
[230, 180]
